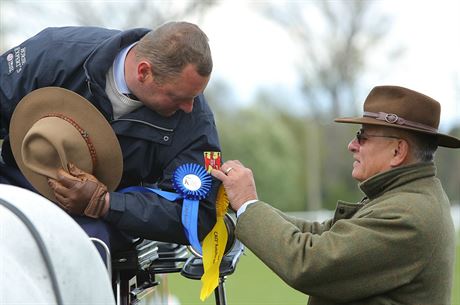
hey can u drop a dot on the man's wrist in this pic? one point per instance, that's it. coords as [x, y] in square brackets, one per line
[97, 205]
[244, 206]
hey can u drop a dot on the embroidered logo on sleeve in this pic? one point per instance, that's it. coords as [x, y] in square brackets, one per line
[16, 60]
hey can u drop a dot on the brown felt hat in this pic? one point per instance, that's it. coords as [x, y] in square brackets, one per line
[399, 107]
[51, 127]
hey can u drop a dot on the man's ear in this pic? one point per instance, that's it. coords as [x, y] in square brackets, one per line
[144, 71]
[400, 153]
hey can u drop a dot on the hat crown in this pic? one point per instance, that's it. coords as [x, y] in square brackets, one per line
[405, 103]
[44, 150]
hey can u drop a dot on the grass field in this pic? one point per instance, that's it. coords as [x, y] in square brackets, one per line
[254, 283]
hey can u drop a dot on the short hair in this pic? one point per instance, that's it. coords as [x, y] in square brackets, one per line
[174, 45]
[423, 145]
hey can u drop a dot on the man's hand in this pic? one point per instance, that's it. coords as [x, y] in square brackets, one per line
[80, 193]
[238, 182]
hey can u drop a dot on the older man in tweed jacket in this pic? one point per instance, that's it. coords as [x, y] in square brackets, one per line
[396, 246]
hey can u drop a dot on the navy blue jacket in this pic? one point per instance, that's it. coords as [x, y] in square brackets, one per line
[78, 58]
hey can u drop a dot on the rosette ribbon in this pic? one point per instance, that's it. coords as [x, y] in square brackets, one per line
[192, 183]
[214, 247]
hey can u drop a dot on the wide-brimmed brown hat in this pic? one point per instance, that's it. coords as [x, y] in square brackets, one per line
[399, 107]
[51, 127]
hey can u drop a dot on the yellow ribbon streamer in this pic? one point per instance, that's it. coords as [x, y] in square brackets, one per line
[214, 247]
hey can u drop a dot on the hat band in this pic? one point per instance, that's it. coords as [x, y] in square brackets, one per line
[83, 133]
[395, 119]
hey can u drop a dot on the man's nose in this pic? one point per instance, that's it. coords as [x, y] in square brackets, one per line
[353, 145]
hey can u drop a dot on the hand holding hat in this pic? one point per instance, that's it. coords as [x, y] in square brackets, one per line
[66, 149]
[79, 193]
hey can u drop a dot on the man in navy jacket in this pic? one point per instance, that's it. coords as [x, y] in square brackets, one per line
[148, 84]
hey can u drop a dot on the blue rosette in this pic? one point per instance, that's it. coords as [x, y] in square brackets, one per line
[192, 183]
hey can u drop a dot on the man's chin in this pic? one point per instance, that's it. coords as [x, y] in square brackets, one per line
[356, 175]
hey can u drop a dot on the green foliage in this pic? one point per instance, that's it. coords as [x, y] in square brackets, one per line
[273, 142]
[448, 164]
[265, 140]
[337, 165]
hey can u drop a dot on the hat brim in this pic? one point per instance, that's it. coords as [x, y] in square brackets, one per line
[44, 101]
[443, 139]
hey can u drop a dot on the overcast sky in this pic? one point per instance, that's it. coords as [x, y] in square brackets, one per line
[251, 52]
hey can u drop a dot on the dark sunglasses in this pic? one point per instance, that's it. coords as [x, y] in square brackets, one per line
[361, 137]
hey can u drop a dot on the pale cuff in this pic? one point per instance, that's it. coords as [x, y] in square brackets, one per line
[244, 206]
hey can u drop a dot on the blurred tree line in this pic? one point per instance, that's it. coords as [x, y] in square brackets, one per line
[299, 158]
[273, 142]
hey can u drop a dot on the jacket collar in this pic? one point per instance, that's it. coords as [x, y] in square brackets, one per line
[383, 182]
[101, 59]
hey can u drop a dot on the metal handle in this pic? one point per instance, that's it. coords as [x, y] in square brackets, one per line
[108, 257]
